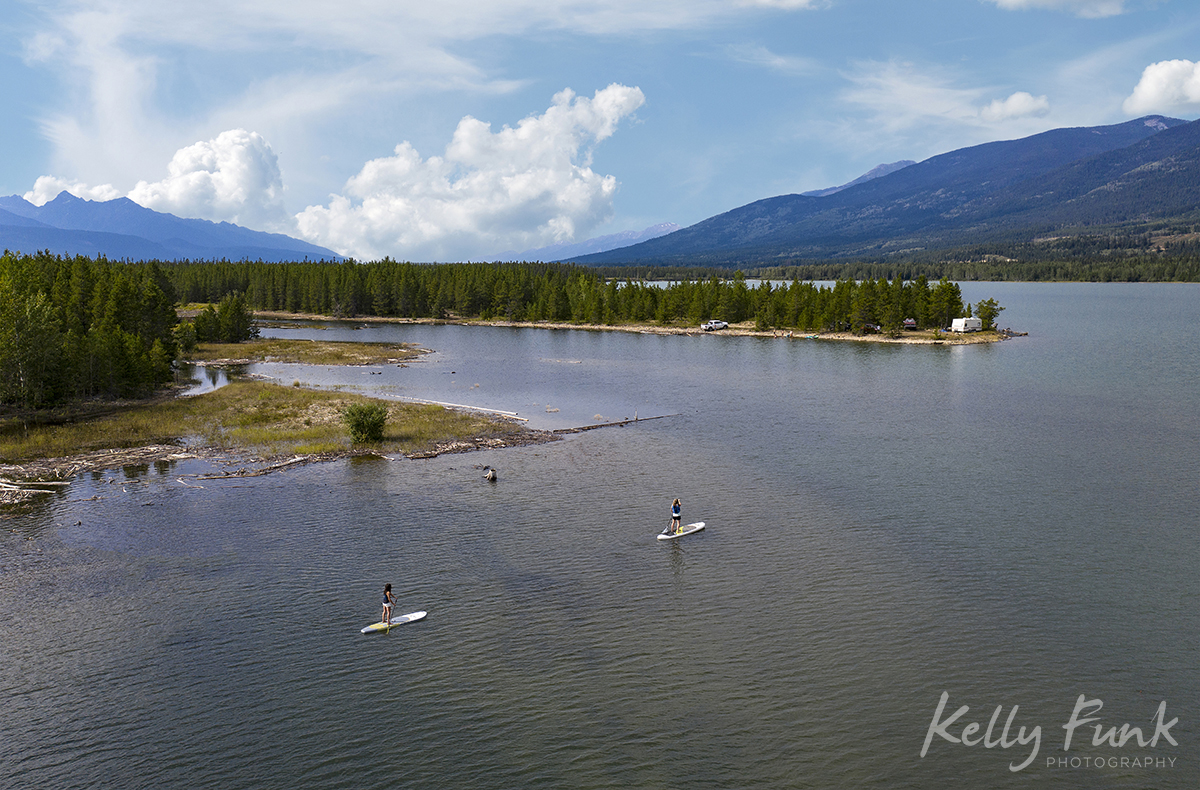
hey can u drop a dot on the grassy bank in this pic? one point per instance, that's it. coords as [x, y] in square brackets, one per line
[307, 352]
[260, 418]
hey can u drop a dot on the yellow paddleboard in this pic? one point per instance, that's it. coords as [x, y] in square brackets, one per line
[686, 530]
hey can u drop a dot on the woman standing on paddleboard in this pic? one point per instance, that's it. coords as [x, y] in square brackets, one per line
[388, 600]
[676, 515]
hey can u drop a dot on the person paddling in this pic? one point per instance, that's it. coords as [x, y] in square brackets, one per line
[388, 601]
[676, 517]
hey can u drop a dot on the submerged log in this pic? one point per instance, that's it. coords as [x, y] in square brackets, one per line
[583, 428]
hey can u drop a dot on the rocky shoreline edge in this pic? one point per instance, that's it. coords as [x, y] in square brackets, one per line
[24, 481]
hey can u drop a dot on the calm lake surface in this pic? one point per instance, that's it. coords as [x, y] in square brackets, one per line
[1013, 524]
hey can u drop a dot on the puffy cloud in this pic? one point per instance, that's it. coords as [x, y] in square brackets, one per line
[1166, 86]
[233, 177]
[522, 187]
[1091, 9]
[1019, 105]
[138, 79]
[46, 188]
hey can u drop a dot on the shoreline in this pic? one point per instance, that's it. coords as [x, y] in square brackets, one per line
[21, 481]
[923, 337]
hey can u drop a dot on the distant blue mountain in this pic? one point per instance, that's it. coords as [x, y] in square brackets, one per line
[17, 219]
[121, 229]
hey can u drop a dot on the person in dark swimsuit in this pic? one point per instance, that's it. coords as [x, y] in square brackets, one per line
[389, 600]
[676, 516]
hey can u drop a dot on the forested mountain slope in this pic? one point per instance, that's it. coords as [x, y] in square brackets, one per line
[1012, 190]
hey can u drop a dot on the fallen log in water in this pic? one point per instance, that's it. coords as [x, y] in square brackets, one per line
[583, 428]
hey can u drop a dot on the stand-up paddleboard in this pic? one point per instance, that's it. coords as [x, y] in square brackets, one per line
[686, 530]
[401, 620]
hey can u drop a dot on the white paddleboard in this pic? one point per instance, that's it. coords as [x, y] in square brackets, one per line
[688, 529]
[401, 620]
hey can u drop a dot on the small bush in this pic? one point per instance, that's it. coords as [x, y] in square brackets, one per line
[365, 421]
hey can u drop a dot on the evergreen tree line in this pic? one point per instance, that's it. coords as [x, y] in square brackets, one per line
[82, 328]
[1069, 259]
[78, 328]
[564, 293]
[231, 321]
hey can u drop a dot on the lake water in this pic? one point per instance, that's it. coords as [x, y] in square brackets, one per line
[1013, 524]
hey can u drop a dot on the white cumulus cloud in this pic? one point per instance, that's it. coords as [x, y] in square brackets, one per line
[1166, 86]
[1018, 105]
[525, 186]
[233, 177]
[1089, 9]
[138, 78]
[46, 188]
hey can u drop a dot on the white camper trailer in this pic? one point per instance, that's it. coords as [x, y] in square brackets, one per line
[966, 325]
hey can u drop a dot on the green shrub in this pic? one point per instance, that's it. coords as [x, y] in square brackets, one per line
[365, 421]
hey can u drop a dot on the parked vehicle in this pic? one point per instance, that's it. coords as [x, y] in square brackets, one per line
[709, 326]
[966, 325]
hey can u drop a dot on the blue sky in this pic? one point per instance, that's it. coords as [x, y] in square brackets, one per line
[460, 129]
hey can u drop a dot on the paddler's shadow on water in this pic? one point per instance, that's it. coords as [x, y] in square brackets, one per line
[678, 561]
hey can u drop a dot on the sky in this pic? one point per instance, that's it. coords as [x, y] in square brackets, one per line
[468, 130]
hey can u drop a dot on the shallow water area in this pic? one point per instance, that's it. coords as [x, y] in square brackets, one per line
[200, 379]
[552, 378]
[1012, 524]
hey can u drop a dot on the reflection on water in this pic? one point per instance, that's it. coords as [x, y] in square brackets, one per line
[202, 378]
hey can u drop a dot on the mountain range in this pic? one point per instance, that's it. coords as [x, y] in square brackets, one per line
[121, 229]
[1117, 182]
[1126, 178]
